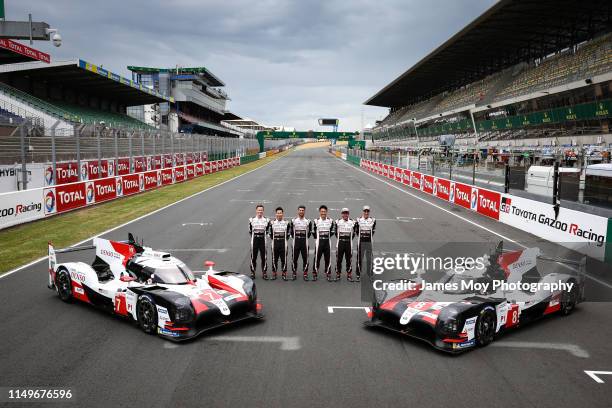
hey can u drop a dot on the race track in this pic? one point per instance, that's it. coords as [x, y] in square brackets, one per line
[301, 354]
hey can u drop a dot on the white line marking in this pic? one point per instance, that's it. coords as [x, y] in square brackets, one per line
[201, 224]
[573, 349]
[252, 201]
[400, 219]
[328, 201]
[170, 346]
[470, 221]
[595, 375]
[244, 191]
[352, 199]
[330, 309]
[220, 250]
[135, 219]
[286, 343]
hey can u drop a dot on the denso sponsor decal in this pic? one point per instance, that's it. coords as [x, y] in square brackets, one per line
[462, 195]
[131, 184]
[140, 164]
[167, 177]
[105, 189]
[442, 188]
[123, 166]
[488, 203]
[415, 180]
[70, 196]
[190, 171]
[151, 180]
[179, 174]
[199, 169]
[167, 161]
[428, 184]
[406, 176]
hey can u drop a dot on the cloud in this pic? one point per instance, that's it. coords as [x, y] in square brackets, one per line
[284, 62]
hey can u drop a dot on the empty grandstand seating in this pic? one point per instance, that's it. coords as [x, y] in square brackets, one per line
[69, 112]
[467, 95]
[590, 59]
[89, 116]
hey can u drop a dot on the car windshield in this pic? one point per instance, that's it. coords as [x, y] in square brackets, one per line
[172, 274]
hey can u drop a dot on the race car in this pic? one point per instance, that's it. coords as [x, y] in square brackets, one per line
[154, 289]
[457, 319]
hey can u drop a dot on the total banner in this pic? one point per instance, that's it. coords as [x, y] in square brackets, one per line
[18, 207]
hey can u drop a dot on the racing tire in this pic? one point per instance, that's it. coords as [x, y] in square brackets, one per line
[485, 327]
[146, 313]
[569, 300]
[63, 283]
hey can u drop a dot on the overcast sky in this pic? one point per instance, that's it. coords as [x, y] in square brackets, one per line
[283, 62]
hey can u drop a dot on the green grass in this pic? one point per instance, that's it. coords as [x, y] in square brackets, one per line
[24, 243]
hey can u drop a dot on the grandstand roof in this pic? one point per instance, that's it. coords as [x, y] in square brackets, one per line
[12, 52]
[509, 32]
[214, 81]
[83, 75]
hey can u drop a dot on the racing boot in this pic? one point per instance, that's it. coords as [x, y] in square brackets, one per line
[306, 276]
[253, 275]
[349, 277]
[337, 277]
[274, 276]
[328, 277]
[314, 276]
[265, 276]
[358, 278]
[284, 276]
[294, 276]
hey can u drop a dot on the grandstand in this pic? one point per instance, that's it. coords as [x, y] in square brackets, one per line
[523, 70]
[200, 103]
[64, 94]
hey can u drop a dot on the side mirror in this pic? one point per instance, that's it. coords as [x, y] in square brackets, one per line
[127, 278]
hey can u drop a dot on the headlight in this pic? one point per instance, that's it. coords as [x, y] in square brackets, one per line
[184, 312]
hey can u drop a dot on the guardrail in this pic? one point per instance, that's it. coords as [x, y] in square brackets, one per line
[583, 232]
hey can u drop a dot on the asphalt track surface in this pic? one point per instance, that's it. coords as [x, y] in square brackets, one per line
[331, 360]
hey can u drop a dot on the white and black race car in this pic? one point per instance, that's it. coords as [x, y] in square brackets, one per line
[154, 289]
[458, 319]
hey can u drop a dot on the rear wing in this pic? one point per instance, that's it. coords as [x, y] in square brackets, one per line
[52, 258]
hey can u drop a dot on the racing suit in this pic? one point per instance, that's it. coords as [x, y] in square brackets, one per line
[365, 233]
[322, 230]
[280, 232]
[258, 227]
[302, 229]
[345, 231]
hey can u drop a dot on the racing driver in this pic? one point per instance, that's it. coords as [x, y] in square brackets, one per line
[302, 228]
[366, 226]
[280, 232]
[258, 227]
[323, 228]
[345, 231]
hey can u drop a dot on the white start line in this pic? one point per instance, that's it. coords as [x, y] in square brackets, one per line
[595, 375]
[285, 343]
[573, 349]
[330, 309]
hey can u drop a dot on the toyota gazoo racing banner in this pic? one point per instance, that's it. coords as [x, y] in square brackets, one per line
[17, 207]
[580, 231]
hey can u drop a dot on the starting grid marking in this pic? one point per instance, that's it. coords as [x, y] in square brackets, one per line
[284, 343]
[595, 375]
[330, 309]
